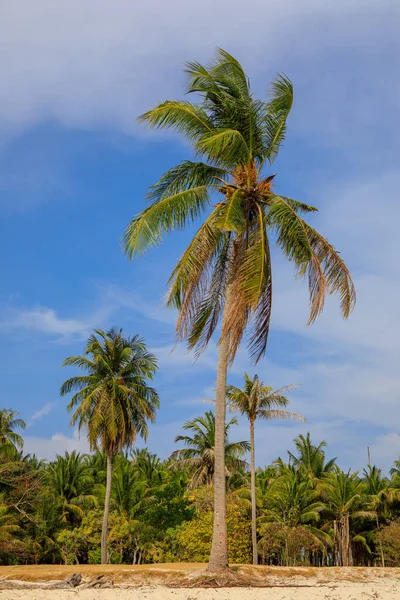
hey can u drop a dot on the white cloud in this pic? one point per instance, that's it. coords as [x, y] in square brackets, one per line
[57, 444]
[42, 412]
[46, 320]
[386, 449]
[90, 62]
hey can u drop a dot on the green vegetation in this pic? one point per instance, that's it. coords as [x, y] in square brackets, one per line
[309, 512]
[258, 401]
[225, 274]
[113, 402]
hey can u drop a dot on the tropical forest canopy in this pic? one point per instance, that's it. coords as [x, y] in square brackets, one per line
[309, 511]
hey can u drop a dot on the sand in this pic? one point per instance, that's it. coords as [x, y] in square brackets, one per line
[384, 590]
[148, 583]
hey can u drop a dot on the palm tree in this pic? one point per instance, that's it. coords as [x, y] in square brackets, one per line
[198, 456]
[294, 502]
[226, 269]
[310, 459]
[258, 401]
[70, 479]
[113, 401]
[9, 440]
[379, 495]
[344, 494]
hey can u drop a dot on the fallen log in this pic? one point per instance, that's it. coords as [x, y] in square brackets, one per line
[70, 582]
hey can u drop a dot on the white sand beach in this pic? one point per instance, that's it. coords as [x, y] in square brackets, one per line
[151, 582]
[382, 590]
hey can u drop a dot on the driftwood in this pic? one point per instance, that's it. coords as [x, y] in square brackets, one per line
[73, 581]
[97, 582]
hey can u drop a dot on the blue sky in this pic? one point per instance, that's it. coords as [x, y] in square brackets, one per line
[74, 168]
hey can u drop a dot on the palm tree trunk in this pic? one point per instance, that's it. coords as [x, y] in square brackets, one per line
[104, 530]
[219, 549]
[380, 539]
[253, 494]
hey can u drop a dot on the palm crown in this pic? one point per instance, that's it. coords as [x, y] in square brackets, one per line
[9, 439]
[228, 262]
[113, 400]
[199, 452]
[259, 401]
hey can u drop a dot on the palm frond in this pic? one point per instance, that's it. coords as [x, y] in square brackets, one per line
[276, 113]
[224, 147]
[171, 212]
[184, 117]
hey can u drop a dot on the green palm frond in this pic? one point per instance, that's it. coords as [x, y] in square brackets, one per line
[291, 232]
[184, 117]
[172, 212]
[299, 206]
[185, 176]
[224, 147]
[276, 113]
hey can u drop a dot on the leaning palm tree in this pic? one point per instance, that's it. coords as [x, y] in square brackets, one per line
[113, 401]
[9, 440]
[258, 401]
[226, 270]
[198, 455]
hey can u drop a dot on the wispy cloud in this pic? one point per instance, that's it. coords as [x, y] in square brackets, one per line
[42, 412]
[118, 297]
[47, 321]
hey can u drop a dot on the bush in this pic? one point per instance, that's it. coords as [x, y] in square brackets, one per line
[281, 545]
[194, 537]
[390, 537]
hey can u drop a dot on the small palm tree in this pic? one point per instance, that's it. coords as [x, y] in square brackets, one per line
[258, 401]
[310, 459]
[70, 478]
[113, 401]
[379, 496]
[198, 456]
[292, 502]
[344, 495]
[9, 440]
[226, 271]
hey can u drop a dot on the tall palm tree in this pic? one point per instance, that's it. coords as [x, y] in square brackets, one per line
[226, 270]
[198, 456]
[9, 440]
[258, 401]
[113, 401]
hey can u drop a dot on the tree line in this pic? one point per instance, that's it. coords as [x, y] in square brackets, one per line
[308, 511]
